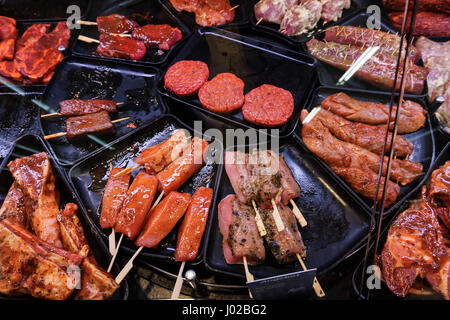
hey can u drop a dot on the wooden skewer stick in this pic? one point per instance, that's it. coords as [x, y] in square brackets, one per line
[298, 214]
[86, 23]
[126, 171]
[127, 35]
[316, 285]
[61, 134]
[276, 216]
[178, 284]
[259, 21]
[122, 274]
[259, 223]
[57, 114]
[112, 236]
[87, 39]
[248, 275]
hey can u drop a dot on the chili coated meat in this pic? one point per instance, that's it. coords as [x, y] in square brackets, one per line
[223, 94]
[186, 77]
[268, 105]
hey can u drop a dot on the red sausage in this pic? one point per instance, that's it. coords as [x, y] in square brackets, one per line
[137, 204]
[193, 226]
[163, 218]
[179, 171]
[113, 197]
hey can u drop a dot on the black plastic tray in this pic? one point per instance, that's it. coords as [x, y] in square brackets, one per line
[18, 116]
[329, 76]
[385, 15]
[21, 27]
[256, 63]
[337, 221]
[85, 78]
[31, 10]
[384, 293]
[89, 178]
[272, 29]
[143, 12]
[423, 140]
[31, 144]
[241, 18]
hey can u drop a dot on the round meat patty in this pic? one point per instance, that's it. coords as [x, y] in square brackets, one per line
[268, 106]
[186, 77]
[223, 94]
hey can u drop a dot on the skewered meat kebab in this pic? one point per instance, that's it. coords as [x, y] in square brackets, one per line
[79, 107]
[161, 36]
[78, 128]
[96, 283]
[26, 260]
[379, 70]
[159, 156]
[264, 178]
[367, 136]
[35, 178]
[438, 192]
[332, 9]
[364, 38]
[242, 243]
[415, 248]
[301, 18]
[411, 115]
[272, 11]
[113, 23]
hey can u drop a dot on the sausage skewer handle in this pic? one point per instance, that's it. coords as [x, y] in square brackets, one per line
[316, 285]
[57, 114]
[122, 274]
[248, 275]
[276, 216]
[112, 242]
[115, 253]
[298, 214]
[259, 223]
[179, 283]
[86, 23]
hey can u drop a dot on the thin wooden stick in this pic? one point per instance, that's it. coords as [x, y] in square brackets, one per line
[298, 214]
[126, 171]
[127, 35]
[60, 134]
[178, 284]
[87, 39]
[231, 9]
[115, 253]
[248, 275]
[51, 115]
[316, 285]
[158, 200]
[259, 223]
[276, 216]
[259, 21]
[86, 23]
